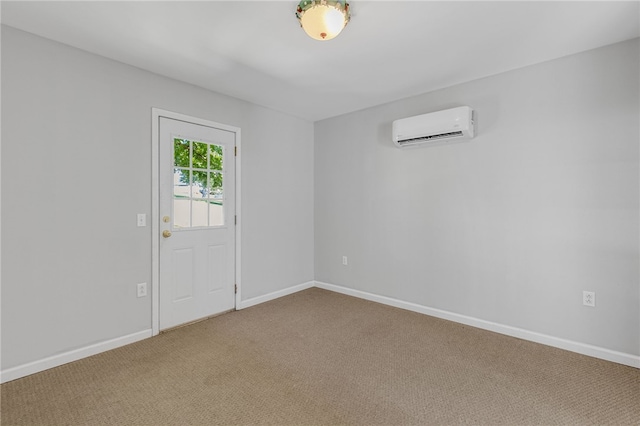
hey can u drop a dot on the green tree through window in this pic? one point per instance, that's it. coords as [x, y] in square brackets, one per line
[204, 160]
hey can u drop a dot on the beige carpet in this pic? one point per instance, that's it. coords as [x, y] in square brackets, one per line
[318, 357]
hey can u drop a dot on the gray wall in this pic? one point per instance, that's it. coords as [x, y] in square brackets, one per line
[76, 168]
[510, 227]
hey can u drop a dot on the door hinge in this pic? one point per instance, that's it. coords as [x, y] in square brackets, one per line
[235, 289]
[235, 220]
[235, 151]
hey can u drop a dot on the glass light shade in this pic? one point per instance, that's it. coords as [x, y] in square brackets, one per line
[323, 19]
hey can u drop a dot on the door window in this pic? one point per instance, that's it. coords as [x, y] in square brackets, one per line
[198, 190]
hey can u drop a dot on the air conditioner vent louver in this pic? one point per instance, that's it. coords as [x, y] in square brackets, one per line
[430, 137]
[436, 128]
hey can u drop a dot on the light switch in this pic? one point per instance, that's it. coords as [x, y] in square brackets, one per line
[142, 219]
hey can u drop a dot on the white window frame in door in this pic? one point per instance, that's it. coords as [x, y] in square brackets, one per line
[156, 113]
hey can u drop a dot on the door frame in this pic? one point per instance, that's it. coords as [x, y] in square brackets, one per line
[156, 114]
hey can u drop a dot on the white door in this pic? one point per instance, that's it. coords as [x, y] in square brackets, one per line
[197, 220]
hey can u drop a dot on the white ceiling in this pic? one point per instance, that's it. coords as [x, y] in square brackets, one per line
[390, 50]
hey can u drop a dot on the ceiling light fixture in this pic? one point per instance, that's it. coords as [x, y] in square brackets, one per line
[323, 19]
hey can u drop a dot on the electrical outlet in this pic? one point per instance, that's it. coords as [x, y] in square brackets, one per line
[589, 298]
[142, 289]
[344, 260]
[142, 219]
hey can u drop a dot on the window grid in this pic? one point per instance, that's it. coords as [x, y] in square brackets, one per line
[198, 166]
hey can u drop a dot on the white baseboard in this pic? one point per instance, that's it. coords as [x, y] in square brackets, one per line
[74, 355]
[275, 295]
[581, 348]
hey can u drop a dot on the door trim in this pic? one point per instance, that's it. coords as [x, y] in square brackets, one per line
[156, 113]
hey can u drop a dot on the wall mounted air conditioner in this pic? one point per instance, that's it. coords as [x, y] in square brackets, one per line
[436, 128]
